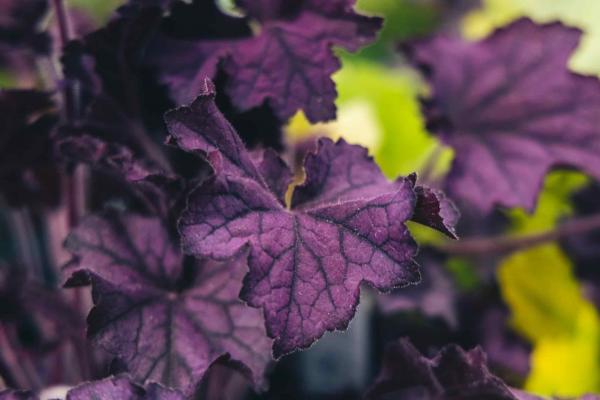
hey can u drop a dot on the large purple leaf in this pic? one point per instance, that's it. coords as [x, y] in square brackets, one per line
[287, 63]
[167, 318]
[345, 226]
[511, 109]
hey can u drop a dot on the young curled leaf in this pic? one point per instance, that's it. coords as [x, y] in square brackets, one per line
[345, 226]
[511, 109]
[166, 317]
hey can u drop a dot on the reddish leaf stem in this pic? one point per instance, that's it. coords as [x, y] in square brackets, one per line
[509, 244]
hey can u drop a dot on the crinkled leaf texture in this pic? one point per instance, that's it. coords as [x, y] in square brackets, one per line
[511, 109]
[452, 374]
[166, 317]
[345, 225]
[287, 63]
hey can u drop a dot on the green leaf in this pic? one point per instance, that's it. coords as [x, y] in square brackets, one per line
[568, 365]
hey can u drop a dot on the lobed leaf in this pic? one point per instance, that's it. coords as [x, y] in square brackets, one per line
[167, 318]
[345, 226]
[511, 109]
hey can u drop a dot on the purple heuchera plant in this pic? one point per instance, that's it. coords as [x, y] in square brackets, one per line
[344, 225]
[207, 263]
[523, 112]
[287, 63]
[152, 306]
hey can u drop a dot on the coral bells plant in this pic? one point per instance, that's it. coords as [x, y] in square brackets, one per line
[168, 237]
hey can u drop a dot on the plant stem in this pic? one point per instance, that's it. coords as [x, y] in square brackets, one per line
[509, 244]
[64, 26]
[64, 29]
[74, 187]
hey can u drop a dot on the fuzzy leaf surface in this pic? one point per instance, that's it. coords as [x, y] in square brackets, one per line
[345, 226]
[167, 318]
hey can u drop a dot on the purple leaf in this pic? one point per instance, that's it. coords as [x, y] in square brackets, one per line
[287, 63]
[353, 174]
[166, 317]
[159, 190]
[345, 226]
[452, 374]
[120, 99]
[218, 142]
[511, 109]
[121, 388]
[275, 172]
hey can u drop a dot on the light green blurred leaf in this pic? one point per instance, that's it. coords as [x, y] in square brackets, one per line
[546, 301]
[404, 145]
[6, 79]
[542, 292]
[402, 19]
[554, 203]
[568, 365]
[547, 307]
[99, 10]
